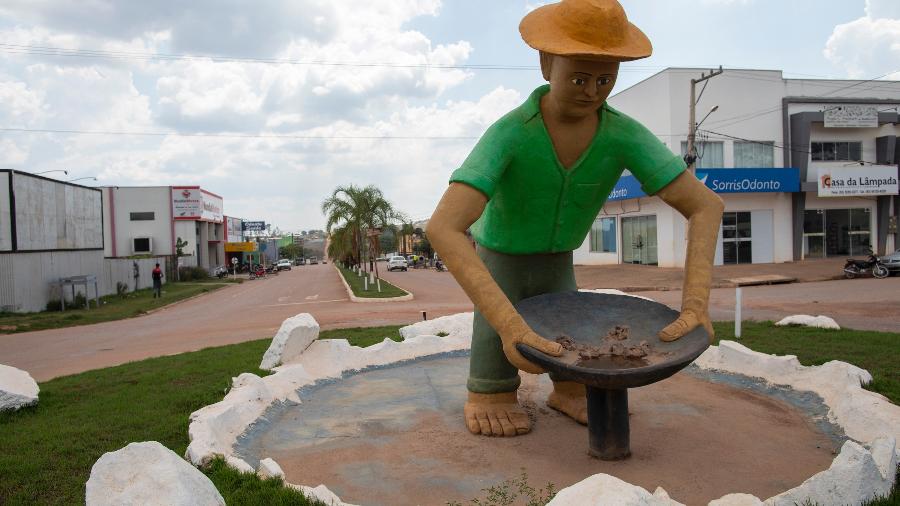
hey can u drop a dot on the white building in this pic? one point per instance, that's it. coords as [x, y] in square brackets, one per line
[773, 150]
[151, 220]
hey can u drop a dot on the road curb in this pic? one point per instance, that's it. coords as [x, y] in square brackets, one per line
[353, 298]
[177, 302]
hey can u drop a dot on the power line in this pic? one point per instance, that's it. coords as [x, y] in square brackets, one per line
[239, 136]
[776, 145]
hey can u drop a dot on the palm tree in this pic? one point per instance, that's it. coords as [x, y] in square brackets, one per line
[359, 211]
[406, 230]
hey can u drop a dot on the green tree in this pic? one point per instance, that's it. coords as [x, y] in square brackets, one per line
[363, 212]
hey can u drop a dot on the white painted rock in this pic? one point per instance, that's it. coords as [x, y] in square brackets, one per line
[17, 389]
[603, 489]
[321, 493]
[853, 478]
[239, 464]
[294, 336]
[148, 474]
[268, 468]
[737, 500]
[453, 325]
[820, 322]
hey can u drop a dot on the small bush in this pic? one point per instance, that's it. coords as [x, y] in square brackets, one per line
[192, 274]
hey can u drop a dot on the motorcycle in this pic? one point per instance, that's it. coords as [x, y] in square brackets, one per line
[854, 268]
[257, 272]
[439, 266]
[220, 272]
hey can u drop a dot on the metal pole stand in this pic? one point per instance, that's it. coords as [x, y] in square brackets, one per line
[608, 423]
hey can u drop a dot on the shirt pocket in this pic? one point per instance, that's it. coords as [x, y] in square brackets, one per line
[586, 195]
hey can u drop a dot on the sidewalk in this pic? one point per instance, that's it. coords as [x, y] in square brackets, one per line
[639, 278]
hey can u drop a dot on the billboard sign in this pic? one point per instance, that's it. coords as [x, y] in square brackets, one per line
[863, 181]
[193, 203]
[851, 116]
[786, 180]
[254, 226]
[750, 180]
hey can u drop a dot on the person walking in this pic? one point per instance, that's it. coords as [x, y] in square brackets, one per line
[157, 276]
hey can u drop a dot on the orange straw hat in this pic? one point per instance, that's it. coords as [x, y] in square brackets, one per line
[591, 29]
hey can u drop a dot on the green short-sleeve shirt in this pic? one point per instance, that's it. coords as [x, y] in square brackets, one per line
[535, 205]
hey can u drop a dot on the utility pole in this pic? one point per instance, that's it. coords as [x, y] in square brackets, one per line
[691, 157]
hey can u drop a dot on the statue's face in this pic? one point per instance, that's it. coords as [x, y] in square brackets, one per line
[578, 87]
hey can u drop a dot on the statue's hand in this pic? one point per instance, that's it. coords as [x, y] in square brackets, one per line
[686, 322]
[529, 338]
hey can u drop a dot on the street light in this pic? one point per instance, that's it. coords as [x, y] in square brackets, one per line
[81, 178]
[714, 109]
[54, 170]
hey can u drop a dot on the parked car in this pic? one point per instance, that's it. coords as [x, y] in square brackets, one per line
[298, 261]
[313, 261]
[397, 263]
[892, 262]
[283, 265]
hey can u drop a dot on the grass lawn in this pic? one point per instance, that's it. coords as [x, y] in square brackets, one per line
[46, 452]
[364, 337]
[357, 284]
[875, 352]
[112, 307]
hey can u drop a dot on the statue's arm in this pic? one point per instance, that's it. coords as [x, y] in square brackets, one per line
[458, 209]
[703, 210]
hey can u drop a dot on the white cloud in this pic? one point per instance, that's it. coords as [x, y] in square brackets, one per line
[282, 180]
[869, 46]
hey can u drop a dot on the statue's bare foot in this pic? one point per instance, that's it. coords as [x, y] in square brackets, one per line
[496, 415]
[569, 398]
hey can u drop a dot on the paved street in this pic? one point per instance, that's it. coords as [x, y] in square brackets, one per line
[252, 310]
[255, 309]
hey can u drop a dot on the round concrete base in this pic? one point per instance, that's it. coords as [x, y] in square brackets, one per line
[396, 435]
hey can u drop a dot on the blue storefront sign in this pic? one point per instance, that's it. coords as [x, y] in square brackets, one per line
[786, 180]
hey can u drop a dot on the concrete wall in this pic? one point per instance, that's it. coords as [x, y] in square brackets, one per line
[187, 231]
[25, 277]
[5, 215]
[120, 202]
[51, 215]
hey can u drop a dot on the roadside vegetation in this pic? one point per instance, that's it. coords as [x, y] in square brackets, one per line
[112, 307]
[875, 352]
[357, 284]
[47, 451]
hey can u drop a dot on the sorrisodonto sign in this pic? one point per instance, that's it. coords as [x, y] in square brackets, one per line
[750, 180]
[786, 180]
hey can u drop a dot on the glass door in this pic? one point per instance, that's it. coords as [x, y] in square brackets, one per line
[814, 233]
[737, 240]
[639, 242]
[847, 232]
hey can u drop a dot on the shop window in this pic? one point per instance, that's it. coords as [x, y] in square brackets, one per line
[836, 232]
[710, 155]
[836, 151]
[757, 155]
[145, 216]
[737, 245]
[603, 236]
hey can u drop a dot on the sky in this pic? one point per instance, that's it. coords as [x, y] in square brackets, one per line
[273, 104]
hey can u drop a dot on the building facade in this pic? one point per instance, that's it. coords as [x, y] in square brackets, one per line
[779, 152]
[50, 231]
[152, 220]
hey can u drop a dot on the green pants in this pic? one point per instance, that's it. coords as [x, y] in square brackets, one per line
[520, 277]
